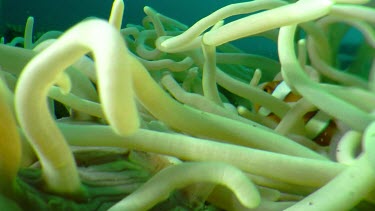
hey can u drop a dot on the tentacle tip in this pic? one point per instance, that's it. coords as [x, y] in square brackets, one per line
[164, 41]
[146, 9]
[128, 130]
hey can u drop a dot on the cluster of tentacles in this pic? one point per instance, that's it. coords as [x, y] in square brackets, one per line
[163, 116]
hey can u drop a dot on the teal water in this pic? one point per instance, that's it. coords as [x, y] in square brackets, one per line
[59, 15]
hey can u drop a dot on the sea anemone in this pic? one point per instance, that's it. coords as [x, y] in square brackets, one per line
[161, 116]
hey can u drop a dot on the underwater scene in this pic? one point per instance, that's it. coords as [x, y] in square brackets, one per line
[212, 105]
